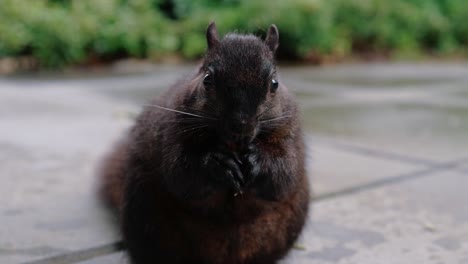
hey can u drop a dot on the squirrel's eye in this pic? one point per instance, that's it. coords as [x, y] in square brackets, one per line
[274, 85]
[207, 80]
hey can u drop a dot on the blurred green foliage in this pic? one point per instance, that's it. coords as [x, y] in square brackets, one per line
[59, 32]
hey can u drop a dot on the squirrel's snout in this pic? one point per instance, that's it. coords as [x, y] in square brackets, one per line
[239, 126]
[239, 132]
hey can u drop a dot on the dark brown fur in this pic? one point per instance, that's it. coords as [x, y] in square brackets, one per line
[180, 204]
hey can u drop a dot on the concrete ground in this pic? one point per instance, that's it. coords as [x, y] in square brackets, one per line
[388, 152]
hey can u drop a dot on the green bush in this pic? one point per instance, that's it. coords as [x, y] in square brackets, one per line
[65, 32]
[61, 32]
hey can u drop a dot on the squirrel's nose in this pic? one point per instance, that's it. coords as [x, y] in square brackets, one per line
[238, 132]
[239, 126]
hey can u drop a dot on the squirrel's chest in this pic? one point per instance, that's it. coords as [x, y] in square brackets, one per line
[239, 206]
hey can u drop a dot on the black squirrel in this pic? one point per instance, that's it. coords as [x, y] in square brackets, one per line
[213, 171]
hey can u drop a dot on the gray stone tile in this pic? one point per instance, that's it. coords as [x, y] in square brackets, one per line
[398, 109]
[332, 170]
[427, 132]
[116, 258]
[463, 168]
[421, 221]
[53, 133]
[398, 75]
[48, 162]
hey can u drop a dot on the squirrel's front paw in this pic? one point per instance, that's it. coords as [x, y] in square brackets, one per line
[250, 162]
[224, 168]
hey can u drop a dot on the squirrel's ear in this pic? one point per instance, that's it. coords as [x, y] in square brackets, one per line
[212, 35]
[272, 38]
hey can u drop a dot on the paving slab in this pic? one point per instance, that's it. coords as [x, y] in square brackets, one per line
[413, 109]
[51, 141]
[367, 126]
[396, 74]
[424, 132]
[333, 170]
[463, 168]
[421, 221]
[388, 109]
[116, 258]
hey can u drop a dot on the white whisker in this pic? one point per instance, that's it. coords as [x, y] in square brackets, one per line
[180, 112]
[191, 129]
[274, 119]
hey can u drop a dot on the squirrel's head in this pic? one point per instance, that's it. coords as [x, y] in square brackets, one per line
[238, 83]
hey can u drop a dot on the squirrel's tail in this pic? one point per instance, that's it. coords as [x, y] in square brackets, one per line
[112, 176]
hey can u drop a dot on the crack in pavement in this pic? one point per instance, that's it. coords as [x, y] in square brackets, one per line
[446, 166]
[374, 153]
[81, 255]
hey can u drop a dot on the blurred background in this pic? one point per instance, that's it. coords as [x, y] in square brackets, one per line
[382, 86]
[57, 33]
